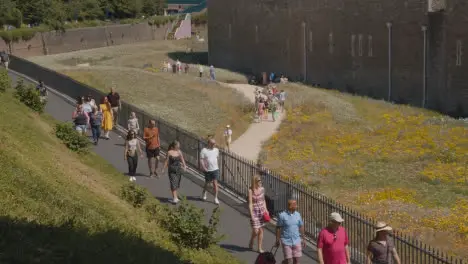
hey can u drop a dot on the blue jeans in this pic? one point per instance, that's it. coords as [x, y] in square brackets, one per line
[96, 130]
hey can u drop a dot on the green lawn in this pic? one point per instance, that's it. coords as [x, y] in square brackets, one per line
[61, 207]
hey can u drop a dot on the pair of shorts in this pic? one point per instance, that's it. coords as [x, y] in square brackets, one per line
[211, 175]
[152, 153]
[294, 251]
[81, 128]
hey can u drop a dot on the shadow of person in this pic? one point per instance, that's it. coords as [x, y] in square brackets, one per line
[23, 241]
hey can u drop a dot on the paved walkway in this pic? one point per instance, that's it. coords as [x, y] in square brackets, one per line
[249, 144]
[234, 223]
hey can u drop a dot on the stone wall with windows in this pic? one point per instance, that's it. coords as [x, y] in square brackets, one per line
[344, 45]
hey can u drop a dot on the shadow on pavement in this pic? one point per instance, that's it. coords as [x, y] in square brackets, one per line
[24, 241]
[234, 248]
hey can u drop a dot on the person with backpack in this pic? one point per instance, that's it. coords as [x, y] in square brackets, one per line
[5, 59]
[81, 120]
[381, 249]
[95, 120]
[42, 90]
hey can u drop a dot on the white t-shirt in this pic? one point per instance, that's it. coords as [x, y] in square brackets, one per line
[210, 156]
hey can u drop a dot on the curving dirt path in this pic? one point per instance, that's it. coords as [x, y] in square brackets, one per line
[249, 144]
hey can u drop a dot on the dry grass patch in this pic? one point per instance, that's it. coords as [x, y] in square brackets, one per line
[404, 165]
[200, 107]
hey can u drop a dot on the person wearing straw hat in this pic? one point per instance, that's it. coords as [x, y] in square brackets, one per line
[332, 242]
[381, 249]
[228, 137]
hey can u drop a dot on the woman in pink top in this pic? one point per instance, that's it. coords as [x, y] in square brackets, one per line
[260, 107]
[333, 242]
[257, 208]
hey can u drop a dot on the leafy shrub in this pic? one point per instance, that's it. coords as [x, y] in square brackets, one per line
[72, 139]
[5, 81]
[135, 195]
[188, 229]
[18, 34]
[200, 19]
[28, 95]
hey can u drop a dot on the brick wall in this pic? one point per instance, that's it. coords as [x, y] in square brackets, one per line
[341, 44]
[86, 38]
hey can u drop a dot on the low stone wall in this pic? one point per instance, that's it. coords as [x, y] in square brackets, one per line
[54, 42]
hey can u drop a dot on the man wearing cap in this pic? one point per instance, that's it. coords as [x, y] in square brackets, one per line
[227, 137]
[332, 242]
[381, 249]
[290, 232]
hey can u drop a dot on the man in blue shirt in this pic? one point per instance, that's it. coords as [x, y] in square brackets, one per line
[290, 232]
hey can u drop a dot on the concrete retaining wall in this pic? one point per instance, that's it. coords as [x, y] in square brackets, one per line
[85, 38]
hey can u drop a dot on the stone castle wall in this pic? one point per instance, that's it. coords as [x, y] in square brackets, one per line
[345, 45]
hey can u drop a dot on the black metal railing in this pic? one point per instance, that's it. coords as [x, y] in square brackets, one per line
[236, 172]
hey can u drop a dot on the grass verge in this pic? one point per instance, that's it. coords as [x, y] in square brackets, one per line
[61, 207]
[404, 165]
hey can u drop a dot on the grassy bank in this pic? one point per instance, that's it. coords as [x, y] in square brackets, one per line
[201, 107]
[61, 207]
[404, 165]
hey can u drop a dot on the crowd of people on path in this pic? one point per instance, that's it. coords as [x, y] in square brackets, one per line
[178, 67]
[332, 243]
[269, 101]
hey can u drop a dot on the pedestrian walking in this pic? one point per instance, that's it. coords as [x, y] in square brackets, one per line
[186, 68]
[132, 145]
[212, 73]
[282, 99]
[151, 136]
[91, 101]
[80, 119]
[108, 118]
[274, 109]
[175, 164]
[260, 109]
[381, 250]
[42, 90]
[87, 107]
[290, 233]
[95, 121]
[259, 214]
[114, 100]
[5, 59]
[133, 123]
[332, 242]
[228, 137]
[200, 71]
[209, 165]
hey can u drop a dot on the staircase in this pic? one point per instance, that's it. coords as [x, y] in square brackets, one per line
[171, 35]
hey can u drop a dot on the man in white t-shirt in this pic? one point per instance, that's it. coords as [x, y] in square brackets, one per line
[209, 165]
[228, 137]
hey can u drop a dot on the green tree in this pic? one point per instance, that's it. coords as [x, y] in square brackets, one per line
[9, 14]
[153, 7]
[84, 10]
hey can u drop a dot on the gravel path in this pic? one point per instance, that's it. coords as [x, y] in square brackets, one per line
[249, 144]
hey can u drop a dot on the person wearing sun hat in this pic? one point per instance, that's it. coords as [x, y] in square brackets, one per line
[227, 137]
[381, 249]
[332, 242]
